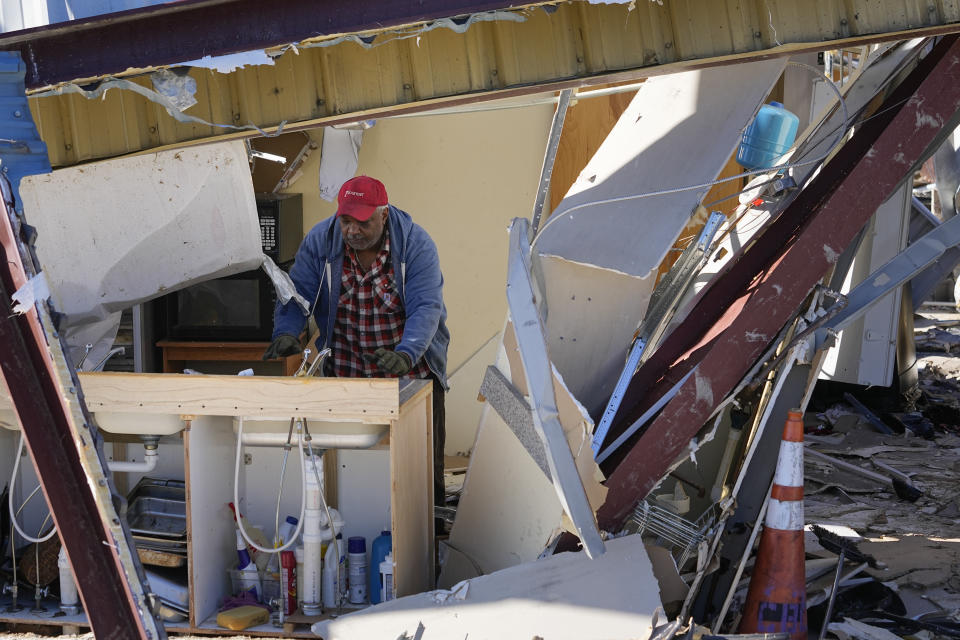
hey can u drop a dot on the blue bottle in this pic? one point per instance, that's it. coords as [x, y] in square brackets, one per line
[382, 545]
[768, 137]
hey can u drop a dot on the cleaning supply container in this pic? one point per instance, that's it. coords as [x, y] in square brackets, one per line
[387, 589]
[382, 545]
[357, 565]
[768, 137]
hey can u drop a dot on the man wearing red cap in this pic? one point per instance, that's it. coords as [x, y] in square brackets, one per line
[374, 280]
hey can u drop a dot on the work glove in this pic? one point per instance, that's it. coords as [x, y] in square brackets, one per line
[283, 345]
[395, 362]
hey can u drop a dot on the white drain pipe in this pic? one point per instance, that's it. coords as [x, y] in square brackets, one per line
[151, 456]
[69, 597]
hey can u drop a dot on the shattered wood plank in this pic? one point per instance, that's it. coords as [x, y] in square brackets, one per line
[866, 180]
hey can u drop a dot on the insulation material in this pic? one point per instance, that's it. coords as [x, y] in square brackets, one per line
[865, 351]
[563, 596]
[679, 130]
[116, 233]
[592, 315]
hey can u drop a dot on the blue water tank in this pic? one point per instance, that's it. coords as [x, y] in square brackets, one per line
[768, 137]
[382, 545]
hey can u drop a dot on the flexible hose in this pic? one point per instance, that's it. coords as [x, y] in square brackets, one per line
[706, 185]
[236, 495]
[13, 515]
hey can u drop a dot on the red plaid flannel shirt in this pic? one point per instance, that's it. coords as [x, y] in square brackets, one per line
[370, 315]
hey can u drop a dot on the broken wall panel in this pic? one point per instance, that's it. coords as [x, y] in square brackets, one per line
[120, 232]
[865, 352]
[868, 169]
[591, 317]
[679, 131]
[509, 511]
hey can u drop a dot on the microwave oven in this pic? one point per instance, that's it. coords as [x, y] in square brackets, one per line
[236, 308]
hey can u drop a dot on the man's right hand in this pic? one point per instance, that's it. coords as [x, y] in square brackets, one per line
[284, 345]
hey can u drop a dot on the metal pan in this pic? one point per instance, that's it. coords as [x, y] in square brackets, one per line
[159, 488]
[158, 517]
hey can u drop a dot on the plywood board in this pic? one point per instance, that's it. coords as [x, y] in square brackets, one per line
[679, 130]
[372, 401]
[563, 596]
[411, 477]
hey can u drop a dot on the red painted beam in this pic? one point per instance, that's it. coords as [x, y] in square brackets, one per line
[754, 320]
[190, 29]
[692, 339]
[29, 373]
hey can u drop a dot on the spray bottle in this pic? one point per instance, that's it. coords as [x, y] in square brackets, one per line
[249, 576]
[331, 576]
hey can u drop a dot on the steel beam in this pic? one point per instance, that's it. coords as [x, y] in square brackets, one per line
[188, 30]
[687, 344]
[753, 320]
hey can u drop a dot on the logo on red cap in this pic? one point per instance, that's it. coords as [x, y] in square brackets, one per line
[359, 197]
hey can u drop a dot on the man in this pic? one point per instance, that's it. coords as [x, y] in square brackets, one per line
[374, 280]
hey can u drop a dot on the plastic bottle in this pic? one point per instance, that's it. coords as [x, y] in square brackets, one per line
[342, 568]
[288, 581]
[298, 554]
[768, 137]
[249, 576]
[284, 533]
[382, 545]
[357, 561]
[330, 589]
[387, 588]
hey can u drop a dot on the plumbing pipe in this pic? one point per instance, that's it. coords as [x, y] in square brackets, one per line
[312, 539]
[151, 456]
[69, 597]
[322, 441]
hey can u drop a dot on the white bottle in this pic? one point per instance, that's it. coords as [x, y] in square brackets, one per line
[330, 588]
[386, 579]
[342, 568]
[249, 576]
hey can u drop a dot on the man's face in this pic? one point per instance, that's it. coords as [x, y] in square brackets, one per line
[361, 236]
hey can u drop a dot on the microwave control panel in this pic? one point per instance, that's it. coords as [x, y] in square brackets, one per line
[268, 234]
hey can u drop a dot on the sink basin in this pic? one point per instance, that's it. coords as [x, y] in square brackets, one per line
[328, 435]
[138, 423]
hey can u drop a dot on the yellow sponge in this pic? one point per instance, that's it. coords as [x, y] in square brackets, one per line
[242, 618]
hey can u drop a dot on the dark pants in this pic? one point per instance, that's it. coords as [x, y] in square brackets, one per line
[439, 437]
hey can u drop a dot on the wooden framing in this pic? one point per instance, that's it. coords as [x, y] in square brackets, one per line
[207, 407]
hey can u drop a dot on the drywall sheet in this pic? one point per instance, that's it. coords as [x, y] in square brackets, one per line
[509, 511]
[592, 314]
[679, 130]
[563, 596]
[112, 234]
[463, 409]
[865, 351]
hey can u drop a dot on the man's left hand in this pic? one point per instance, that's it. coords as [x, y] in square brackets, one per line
[395, 362]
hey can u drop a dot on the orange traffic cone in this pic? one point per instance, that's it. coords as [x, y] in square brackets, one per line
[776, 600]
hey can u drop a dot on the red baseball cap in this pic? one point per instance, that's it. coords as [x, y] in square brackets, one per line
[359, 197]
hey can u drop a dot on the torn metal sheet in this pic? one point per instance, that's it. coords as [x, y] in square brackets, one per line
[874, 162]
[675, 137]
[117, 233]
[538, 373]
[567, 595]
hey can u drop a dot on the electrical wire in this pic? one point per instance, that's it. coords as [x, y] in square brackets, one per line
[13, 516]
[706, 185]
